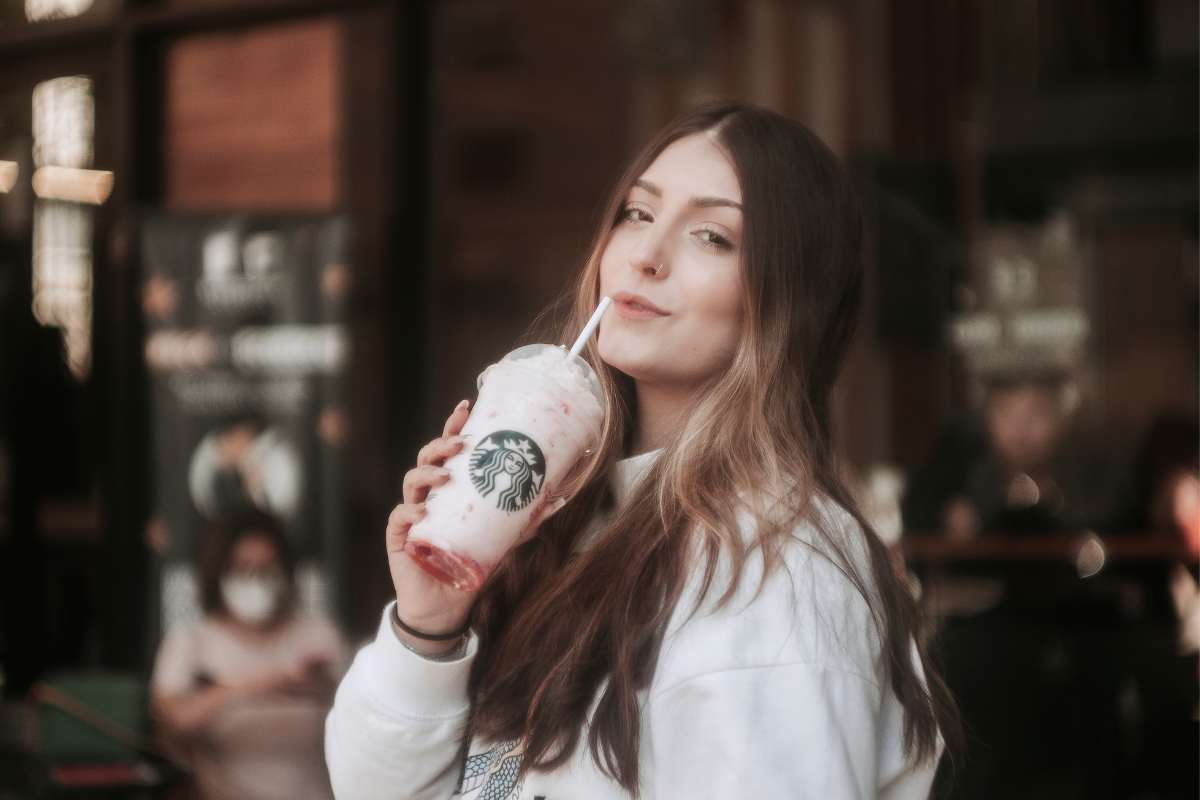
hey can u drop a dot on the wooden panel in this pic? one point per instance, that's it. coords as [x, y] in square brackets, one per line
[251, 118]
[532, 115]
[1145, 324]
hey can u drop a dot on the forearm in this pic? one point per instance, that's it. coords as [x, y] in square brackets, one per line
[188, 714]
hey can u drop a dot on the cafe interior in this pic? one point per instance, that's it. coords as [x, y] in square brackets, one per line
[254, 251]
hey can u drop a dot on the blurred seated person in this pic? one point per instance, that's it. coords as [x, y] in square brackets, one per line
[244, 692]
[1017, 465]
[1162, 489]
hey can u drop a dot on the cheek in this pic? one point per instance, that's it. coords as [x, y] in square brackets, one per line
[716, 301]
[612, 337]
[610, 259]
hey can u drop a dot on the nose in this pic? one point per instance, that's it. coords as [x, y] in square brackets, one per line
[649, 257]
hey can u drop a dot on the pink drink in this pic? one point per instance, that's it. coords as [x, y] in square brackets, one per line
[539, 410]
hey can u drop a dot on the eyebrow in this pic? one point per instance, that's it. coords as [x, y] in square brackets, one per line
[697, 202]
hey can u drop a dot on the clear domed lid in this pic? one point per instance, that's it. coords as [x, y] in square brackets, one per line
[575, 363]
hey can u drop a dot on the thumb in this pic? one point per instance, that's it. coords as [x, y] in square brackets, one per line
[399, 524]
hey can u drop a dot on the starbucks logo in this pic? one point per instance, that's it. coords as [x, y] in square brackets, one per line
[510, 465]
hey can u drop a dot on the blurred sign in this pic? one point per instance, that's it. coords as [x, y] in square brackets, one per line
[247, 350]
[1026, 309]
[64, 120]
[22, 13]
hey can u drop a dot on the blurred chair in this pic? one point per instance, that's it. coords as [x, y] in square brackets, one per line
[91, 739]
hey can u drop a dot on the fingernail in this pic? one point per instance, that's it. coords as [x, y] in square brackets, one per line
[462, 405]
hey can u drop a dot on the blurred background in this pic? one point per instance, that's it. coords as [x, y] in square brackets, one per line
[252, 252]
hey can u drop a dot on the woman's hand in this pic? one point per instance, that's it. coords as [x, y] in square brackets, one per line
[422, 601]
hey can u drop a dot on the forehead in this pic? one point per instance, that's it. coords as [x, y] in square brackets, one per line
[695, 166]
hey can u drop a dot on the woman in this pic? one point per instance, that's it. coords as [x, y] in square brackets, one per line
[245, 690]
[708, 616]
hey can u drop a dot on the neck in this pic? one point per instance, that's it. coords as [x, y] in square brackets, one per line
[659, 409]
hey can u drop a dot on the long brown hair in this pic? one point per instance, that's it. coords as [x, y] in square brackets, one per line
[554, 624]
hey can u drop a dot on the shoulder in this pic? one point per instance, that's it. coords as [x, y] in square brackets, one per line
[188, 633]
[179, 653]
[808, 610]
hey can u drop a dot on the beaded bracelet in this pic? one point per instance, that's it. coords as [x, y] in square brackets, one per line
[453, 654]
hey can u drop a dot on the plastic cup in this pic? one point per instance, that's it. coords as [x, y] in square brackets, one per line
[539, 411]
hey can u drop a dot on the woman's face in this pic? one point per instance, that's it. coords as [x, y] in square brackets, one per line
[254, 584]
[677, 244]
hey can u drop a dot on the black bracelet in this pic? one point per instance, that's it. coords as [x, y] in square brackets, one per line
[430, 637]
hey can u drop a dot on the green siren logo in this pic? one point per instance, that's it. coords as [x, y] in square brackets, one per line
[511, 464]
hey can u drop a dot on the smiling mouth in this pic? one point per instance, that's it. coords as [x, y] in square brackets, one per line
[631, 310]
[633, 306]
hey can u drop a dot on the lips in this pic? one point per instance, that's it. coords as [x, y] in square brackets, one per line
[635, 306]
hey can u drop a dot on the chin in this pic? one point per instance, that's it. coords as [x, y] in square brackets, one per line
[623, 364]
[643, 372]
[643, 361]
[625, 367]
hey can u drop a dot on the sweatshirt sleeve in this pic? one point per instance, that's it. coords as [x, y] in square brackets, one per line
[783, 730]
[397, 724]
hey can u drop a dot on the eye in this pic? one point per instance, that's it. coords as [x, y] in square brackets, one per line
[710, 238]
[634, 214]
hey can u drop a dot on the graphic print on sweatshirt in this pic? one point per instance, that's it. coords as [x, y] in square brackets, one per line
[509, 465]
[492, 775]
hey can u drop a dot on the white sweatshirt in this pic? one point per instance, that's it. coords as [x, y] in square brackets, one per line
[777, 695]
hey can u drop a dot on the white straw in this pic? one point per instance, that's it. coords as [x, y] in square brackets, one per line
[586, 333]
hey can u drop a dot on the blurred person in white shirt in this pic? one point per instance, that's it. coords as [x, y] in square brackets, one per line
[243, 692]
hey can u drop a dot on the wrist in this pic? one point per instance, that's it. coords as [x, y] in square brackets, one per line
[426, 645]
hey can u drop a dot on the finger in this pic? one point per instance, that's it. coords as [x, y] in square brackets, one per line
[405, 514]
[437, 451]
[399, 523]
[457, 418]
[419, 480]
